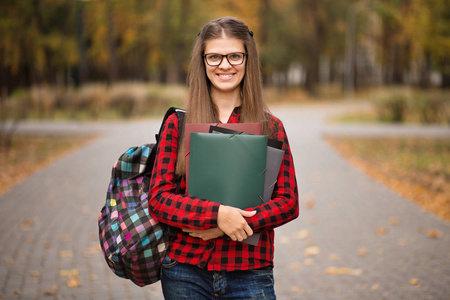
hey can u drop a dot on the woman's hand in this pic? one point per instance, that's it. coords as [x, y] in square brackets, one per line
[205, 235]
[231, 221]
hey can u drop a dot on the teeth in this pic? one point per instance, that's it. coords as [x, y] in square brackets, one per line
[225, 76]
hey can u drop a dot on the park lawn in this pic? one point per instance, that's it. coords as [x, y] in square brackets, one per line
[416, 168]
[29, 153]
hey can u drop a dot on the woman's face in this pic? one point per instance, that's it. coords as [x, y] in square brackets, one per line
[225, 78]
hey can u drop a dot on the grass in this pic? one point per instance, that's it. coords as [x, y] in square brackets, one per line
[31, 153]
[416, 168]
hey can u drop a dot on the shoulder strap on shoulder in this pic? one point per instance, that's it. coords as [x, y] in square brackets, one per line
[172, 110]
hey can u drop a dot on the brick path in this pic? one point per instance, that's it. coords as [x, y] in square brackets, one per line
[49, 224]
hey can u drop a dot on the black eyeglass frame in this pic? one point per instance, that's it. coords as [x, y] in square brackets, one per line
[224, 55]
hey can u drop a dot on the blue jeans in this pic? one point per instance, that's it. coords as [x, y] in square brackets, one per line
[184, 281]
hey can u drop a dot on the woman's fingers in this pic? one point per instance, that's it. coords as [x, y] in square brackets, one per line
[231, 221]
[205, 235]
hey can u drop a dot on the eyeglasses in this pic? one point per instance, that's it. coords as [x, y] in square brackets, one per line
[215, 59]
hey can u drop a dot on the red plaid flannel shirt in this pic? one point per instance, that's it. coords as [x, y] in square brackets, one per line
[185, 211]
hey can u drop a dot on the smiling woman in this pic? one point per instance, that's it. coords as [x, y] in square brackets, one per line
[207, 258]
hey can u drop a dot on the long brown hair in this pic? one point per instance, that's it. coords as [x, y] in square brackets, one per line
[200, 107]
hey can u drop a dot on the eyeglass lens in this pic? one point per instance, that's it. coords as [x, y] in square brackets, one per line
[214, 59]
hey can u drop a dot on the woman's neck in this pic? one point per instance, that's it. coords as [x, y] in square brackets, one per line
[226, 103]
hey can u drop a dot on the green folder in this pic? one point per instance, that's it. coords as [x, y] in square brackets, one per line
[228, 168]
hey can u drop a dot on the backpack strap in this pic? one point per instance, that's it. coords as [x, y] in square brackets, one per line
[180, 114]
[172, 110]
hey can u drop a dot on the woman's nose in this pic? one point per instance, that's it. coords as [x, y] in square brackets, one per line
[224, 64]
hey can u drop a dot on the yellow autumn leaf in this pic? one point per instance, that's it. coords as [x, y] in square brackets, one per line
[74, 281]
[414, 281]
[381, 231]
[343, 271]
[294, 265]
[362, 251]
[35, 273]
[394, 220]
[402, 242]
[310, 204]
[303, 234]
[65, 237]
[71, 272]
[297, 289]
[334, 256]
[65, 253]
[312, 251]
[433, 233]
[284, 240]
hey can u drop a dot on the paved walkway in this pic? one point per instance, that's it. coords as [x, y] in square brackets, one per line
[354, 239]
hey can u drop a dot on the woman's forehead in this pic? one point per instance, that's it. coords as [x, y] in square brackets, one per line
[224, 45]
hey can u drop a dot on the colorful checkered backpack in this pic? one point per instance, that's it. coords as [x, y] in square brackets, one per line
[133, 243]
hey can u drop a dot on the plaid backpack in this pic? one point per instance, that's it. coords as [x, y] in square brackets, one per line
[133, 243]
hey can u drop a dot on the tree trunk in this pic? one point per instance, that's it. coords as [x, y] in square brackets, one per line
[112, 68]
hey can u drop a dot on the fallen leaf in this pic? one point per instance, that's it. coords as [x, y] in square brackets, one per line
[313, 220]
[414, 281]
[297, 289]
[72, 272]
[8, 262]
[433, 233]
[26, 225]
[49, 293]
[65, 253]
[343, 271]
[362, 251]
[402, 242]
[375, 287]
[284, 240]
[381, 231]
[74, 281]
[294, 266]
[394, 220]
[35, 273]
[46, 245]
[334, 256]
[310, 204]
[93, 277]
[16, 292]
[303, 234]
[312, 251]
[65, 237]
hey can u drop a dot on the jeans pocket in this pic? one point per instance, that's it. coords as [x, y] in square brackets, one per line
[268, 270]
[168, 262]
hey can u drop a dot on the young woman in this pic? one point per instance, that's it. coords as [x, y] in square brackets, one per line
[206, 259]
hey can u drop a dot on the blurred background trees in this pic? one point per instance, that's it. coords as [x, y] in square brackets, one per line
[303, 43]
